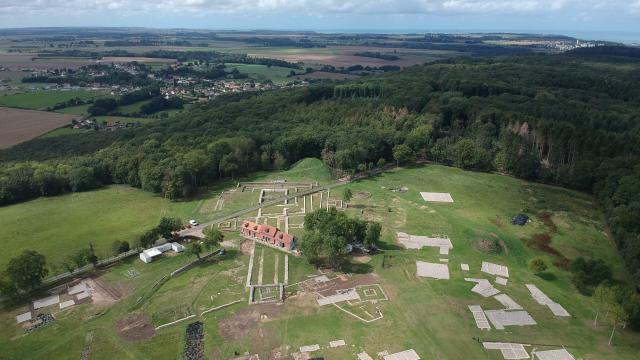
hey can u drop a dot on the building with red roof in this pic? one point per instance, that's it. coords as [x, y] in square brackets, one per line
[268, 234]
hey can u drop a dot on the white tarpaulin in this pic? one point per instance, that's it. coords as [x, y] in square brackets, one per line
[48, 301]
[510, 351]
[495, 269]
[403, 355]
[560, 354]
[432, 270]
[436, 197]
[23, 317]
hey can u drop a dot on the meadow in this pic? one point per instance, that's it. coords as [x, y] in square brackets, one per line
[277, 74]
[429, 316]
[57, 226]
[40, 100]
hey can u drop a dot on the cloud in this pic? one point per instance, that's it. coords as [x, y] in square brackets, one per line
[310, 6]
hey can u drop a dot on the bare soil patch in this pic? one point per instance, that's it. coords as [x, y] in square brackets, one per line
[105, 294]
[542, 242]
[246, 246]
[241, 323]
[490, 246]
[135, 327]
[18, 125]
[362, 195]
[545, 217]
[362, 259]
[32, 61]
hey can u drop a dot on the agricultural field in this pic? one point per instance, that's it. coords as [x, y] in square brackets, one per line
[277, 74]
[344, 56]
[40, 100]
[18, 125]
[397, 309]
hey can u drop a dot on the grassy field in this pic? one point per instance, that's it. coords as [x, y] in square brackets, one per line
[75, 110]
[277, 74]
[427, 315]
[56, 226]
[132, 108]
[42, 99]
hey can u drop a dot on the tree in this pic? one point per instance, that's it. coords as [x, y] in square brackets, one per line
[372, 235]
[466, 154]
[27, 270]
[589, 273]
[604, 297]
[402, 154]
[347, 195]
[333, 250]
[7, 287]
[91, 255]
[119, 247]
[79, 258]
[195, 249]
[311, 246]
[618, 317]
[68, 264]
[537, 265]
[167, 226]
[148, 238]
[212, 237]
[280, 162]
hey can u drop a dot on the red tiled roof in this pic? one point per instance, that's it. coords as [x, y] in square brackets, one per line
[271, 232]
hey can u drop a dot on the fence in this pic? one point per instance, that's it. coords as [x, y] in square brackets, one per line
[104, 262]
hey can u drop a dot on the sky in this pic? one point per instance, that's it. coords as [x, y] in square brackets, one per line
[572, 17]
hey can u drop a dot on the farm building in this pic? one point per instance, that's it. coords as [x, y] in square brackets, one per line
[147, 255]
[268, 234]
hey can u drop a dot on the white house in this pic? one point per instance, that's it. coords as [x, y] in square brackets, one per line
[147, 255]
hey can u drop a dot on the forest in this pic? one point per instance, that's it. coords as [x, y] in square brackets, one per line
[570, 119]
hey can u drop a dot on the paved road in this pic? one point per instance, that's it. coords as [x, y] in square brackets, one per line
[196, 231]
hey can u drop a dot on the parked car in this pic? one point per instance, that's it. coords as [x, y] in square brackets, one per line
[193, 222]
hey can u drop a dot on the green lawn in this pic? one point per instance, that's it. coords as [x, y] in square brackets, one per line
[59, 225]
[427, 315]
[40, 100]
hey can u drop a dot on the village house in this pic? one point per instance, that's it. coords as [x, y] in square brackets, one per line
[268, 234]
